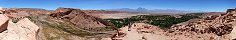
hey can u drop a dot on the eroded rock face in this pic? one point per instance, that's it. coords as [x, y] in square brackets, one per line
[141, 31]
[22, 30]
[219, 27]
[79, 18]
[4, 22]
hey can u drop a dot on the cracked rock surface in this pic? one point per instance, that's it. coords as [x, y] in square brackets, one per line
[22, 30]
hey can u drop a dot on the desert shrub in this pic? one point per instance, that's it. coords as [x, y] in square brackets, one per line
[164, 21]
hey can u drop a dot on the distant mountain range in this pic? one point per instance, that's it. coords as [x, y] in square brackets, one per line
[144, 10]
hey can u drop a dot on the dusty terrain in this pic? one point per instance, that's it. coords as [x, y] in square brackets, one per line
[63, 24]
[220, 27]
[103, 14]
[115, 15]
[76, 24]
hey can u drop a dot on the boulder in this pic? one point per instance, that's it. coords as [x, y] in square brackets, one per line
[3, 22]
[22, 30]
[29, 27]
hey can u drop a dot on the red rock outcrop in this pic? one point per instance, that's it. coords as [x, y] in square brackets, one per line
[219, 27]
[76, 16]
[79, 18]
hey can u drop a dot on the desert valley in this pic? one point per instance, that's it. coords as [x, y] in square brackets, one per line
[76, 24]
[117, 20]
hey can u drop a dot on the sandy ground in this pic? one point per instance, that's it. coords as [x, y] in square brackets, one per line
[139, 32]
[115, 15]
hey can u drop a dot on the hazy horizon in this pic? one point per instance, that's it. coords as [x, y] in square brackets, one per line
[193, 5]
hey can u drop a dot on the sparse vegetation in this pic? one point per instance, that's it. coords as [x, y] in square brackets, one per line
[164, 21]
[60, 29]
[64, 27]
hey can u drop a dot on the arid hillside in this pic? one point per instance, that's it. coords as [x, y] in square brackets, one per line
[63, 23]
[218, 27]
[77, 24]
[79, 18]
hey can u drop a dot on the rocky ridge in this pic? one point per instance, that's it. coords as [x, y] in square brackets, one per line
[79, 18]
[63, 24]
[218, 27]
[22, 12]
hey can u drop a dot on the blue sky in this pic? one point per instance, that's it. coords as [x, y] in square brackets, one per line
[196, 5]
